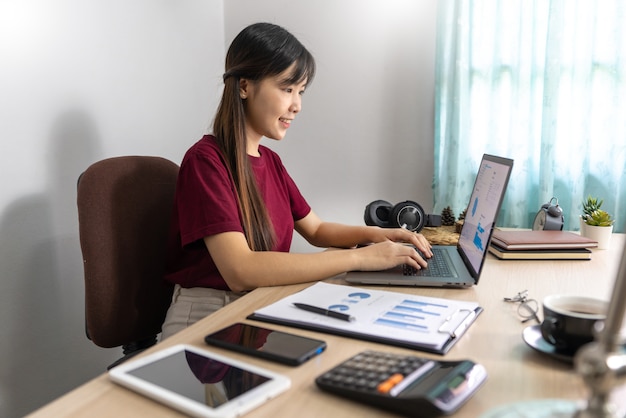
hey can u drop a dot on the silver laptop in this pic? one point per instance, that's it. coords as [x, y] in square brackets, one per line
[460, 265]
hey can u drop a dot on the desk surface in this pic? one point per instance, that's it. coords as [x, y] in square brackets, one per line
[516, 372]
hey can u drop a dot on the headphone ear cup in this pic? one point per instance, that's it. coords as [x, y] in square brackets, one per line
[377, 213]
[408, 215]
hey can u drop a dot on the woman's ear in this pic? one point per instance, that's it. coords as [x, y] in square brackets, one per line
[243, 88]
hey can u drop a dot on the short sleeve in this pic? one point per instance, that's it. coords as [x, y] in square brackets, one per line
[205, 195]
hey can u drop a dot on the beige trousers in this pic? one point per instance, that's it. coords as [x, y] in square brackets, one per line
[191, 305]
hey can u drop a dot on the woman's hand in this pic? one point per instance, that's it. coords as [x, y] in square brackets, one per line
[388, 254]
[403, 235]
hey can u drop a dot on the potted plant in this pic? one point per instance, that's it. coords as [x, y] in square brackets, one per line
[596, 223]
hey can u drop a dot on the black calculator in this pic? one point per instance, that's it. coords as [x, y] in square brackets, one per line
[405, 384]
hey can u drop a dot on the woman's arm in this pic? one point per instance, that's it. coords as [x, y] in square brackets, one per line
[327, 234]
[244, 269]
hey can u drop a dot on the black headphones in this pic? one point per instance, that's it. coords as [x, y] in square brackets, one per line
[408, 215]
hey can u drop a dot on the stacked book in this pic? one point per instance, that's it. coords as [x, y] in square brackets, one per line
[540, 245]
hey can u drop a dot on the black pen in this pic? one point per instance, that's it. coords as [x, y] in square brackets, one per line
[326, 312]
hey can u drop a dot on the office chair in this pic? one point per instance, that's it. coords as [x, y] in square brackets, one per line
[124, 208]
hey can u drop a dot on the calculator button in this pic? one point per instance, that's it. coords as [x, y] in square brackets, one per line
[387, 385]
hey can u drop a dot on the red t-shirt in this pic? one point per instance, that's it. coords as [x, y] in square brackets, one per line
[206, 204]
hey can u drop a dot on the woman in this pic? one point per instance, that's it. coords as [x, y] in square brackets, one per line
[236, 205]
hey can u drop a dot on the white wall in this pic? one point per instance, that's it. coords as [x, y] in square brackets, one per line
[82, 81]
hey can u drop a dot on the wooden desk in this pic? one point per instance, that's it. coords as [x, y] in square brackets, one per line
[516, 372]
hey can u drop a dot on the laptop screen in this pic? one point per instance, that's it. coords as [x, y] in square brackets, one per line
[482, 211]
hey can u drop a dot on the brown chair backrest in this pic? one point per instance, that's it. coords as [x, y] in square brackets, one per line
[124, 209]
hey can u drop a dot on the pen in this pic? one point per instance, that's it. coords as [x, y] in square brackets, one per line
[327, 312]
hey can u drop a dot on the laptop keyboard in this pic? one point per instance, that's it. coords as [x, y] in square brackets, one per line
[437, 266]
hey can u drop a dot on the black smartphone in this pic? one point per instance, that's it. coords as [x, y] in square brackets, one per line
[267, 343]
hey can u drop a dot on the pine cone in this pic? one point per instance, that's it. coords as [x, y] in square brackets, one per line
[447, 217]
[462, 215]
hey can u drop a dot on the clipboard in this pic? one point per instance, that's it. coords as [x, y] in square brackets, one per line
[417, 322]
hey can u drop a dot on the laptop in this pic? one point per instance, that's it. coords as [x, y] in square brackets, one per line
[460, 265]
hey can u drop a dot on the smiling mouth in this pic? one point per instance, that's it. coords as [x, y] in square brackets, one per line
[285, 121]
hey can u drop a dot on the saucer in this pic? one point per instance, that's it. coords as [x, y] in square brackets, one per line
[532, 337]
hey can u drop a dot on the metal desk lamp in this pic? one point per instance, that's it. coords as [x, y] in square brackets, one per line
[602, 363]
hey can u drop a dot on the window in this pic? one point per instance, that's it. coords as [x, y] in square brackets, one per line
[542, 82]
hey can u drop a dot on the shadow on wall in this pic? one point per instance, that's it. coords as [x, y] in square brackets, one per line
[44, 349]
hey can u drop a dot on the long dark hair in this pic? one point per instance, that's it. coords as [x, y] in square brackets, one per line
[260, 50]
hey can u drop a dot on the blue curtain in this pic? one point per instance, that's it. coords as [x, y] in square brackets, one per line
[542, 82]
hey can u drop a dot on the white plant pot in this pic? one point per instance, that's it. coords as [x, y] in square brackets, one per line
[602, 234]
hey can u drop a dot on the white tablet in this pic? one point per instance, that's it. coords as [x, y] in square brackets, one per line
[200, 383]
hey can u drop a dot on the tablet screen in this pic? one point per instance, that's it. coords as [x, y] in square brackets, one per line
[205, 380]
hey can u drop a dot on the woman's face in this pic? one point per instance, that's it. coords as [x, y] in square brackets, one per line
[271, 105]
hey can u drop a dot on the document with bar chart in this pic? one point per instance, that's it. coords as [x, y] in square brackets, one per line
[412, 321]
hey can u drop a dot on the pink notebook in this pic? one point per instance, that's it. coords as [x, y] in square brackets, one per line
[534, 240]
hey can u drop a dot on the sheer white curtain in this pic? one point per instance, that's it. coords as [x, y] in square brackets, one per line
[542, 82]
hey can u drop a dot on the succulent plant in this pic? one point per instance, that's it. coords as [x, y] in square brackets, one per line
[593, 215]
[599, 217]
[591, 205]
